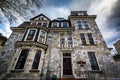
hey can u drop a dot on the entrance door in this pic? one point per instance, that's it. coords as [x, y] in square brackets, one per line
[67, 67]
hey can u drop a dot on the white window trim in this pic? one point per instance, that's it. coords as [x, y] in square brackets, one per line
[28, 33]
[39, 36]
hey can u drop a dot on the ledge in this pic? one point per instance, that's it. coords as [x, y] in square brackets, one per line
[89, 44]
[61, 28]
[95, 71]
[17, 70]
[34, 70]
[30, 43]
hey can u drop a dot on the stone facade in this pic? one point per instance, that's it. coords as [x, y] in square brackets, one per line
[72, 48]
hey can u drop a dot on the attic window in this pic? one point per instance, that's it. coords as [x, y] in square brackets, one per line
[41, 18]
[80, 13]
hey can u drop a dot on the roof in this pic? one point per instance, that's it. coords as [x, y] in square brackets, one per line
[24, 24]
[40, 15]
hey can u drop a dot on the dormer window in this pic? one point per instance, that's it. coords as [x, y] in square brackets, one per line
[31, 34]
[55, 24]
[41, 18]
[64, 24]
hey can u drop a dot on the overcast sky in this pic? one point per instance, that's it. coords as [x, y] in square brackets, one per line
[107, 11]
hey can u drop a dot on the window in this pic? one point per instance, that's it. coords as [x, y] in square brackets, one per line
[70, 40]
[42, 37]
[86, 24]
[79, 25]
[83, 40]
[54, 24]
[65, 24]
[44, 24]
[90, 39]
[39, 23]
[41, 18]
[93, 61]
[62, 40]
[22, 58]
[31, 34]
[36, 60]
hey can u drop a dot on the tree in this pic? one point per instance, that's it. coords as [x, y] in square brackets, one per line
[20, 7]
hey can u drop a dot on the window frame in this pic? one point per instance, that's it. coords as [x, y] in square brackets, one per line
[84, 42]
[94, 61]
[38, 40]
[28, 34]
[35, 58]
[57, 24]
[63, 24]
[86, 24]
[18, 58]
[78, 25]
[91, 39]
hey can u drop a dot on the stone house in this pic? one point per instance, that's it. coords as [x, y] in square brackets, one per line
[69, 49]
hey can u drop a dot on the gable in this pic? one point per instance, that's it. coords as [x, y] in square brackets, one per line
[40, 17]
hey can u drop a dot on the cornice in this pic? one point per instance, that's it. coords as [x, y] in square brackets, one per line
[30, 43]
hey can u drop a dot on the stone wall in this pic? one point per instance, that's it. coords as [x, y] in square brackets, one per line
[9, 50]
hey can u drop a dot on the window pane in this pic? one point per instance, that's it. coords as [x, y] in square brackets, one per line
[39, 23]
[44, 24]
[22, 59]
[86, 24]
[54, 24]
[62, 40]
[69, 38]
[90, 39]
[64, 24]
[36, 60]
[31, 35]
[42, 37]
[83, 38]
[79, 25]
[93, 61]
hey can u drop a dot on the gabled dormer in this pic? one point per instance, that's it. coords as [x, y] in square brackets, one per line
[40, 20]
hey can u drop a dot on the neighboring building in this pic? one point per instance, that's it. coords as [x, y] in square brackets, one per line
[70, 48]
[3, 39]
[116, 57]
[117, 46]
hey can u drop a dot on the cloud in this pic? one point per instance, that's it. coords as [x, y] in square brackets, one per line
[54, 12]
